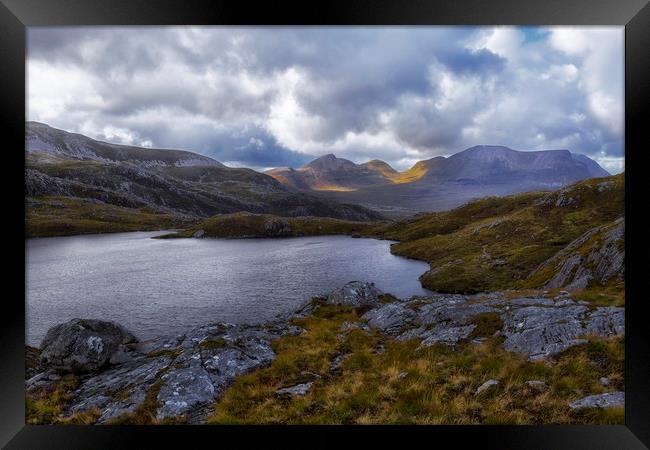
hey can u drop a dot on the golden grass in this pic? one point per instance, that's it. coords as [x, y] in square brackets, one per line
[245, 224]
[410, 385]
[333, 188]
[496, 242]
[47, 405]
[60, 216]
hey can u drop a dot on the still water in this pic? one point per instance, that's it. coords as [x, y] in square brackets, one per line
[161, 287]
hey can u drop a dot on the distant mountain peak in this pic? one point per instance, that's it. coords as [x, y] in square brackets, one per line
[329, 162]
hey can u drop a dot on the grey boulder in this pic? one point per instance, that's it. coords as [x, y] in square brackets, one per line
[83, 345]
[355, 293]
[295, 391]
[183, 390]
[489, 384]
[606, 400]
[390, 318]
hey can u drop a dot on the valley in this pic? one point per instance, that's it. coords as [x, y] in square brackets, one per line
[519, 308]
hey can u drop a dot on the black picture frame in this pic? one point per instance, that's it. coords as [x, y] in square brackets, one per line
[16, 15]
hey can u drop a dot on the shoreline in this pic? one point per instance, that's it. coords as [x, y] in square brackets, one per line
[187, 372]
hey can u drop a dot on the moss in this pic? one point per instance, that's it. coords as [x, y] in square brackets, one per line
[47, 405]
[145, 413]
[60, 216]
[212, 343]
[249, 225]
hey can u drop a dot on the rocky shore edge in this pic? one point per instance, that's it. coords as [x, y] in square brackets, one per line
[179, 378]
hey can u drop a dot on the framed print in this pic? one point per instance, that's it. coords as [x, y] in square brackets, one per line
[359, 217]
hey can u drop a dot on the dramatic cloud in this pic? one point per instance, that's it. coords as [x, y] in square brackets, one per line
[274, 96]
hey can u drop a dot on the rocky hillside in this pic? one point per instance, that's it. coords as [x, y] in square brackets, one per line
[47, 143]
[182, 184]
[598, 256]
[440, 183]
[357, 356]
[571, 238]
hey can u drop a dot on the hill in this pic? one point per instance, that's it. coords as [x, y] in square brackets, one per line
[172, 183]
[570, 238]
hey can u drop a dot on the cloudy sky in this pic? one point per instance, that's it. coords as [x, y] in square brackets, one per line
[280, 96]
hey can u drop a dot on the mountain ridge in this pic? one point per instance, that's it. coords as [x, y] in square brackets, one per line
[441, 182]
[70, 179]
[43, 138]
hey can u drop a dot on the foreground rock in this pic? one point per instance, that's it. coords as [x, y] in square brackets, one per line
[295, 391]
[355, 293]
[186, 373]
[537, 327]
[181, 376]
[606, 400]
[489, 384]
[83, 345]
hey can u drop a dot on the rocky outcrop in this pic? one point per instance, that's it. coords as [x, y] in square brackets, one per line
[606, 400]
[186, 373]
[181, 376]
[596, 256]
[537, 327]
[83, 345]
[355, 293]
[390, 318]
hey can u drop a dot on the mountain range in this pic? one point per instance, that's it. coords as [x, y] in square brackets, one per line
[91, 174]
[442, 182]
[59, 164]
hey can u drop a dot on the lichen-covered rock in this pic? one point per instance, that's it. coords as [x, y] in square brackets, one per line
[606, 321]
[83, 345]
[535, 326]
[189, 370]
[541, 331]
[295, 391]
[390, 318]
[446, 334]
[183, 390]
[489, 384]
[597, 255]
[355, 293]
[606, 400]
[119, 390]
